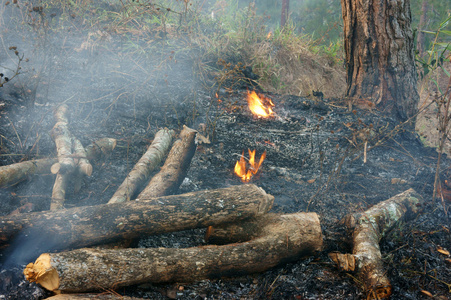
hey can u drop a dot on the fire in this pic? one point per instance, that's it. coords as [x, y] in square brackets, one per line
[260, 106]
[246, 173]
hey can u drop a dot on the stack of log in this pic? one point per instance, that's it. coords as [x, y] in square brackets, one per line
[244, 237]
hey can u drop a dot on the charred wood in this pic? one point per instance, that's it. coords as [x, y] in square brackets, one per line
[103, 296]
[174, 170]
[286, 238]
[141, 171]
[367, 230]
[91, 225]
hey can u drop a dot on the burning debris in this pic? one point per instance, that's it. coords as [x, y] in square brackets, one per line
[260, 105]
[245, 169]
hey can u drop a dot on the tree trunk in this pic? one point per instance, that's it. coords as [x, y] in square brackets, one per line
[285, 12]
[378, 42]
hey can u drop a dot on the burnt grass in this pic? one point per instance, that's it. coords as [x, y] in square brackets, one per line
[314, 163]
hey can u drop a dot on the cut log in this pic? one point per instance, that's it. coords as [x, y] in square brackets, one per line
[252, 228]
[62, 137]
[367, 230]
[286, 238]
[14, 173]
[59, 191]
[83, 165]
[174, 170]
[91, 225]
[140, 173]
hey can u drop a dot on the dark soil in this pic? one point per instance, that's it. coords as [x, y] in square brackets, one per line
[314, 163]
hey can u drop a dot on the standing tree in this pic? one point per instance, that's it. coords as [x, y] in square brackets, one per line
[378, 42]
[285, 12]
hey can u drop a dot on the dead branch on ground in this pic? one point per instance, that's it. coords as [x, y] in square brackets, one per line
[367, 230]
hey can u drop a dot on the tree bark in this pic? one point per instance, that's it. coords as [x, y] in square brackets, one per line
[175, 168]
[287, 238]
[91, 225]
[378, 43]
[62, 137]
[285, 12]
[141, 171]
[14, 173]
[367, 230]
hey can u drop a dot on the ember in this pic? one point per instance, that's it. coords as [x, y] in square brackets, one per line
[260, 105]
[240, 166]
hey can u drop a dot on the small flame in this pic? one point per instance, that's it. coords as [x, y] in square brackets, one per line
[260, 106]
[269, 35]
[246, 173]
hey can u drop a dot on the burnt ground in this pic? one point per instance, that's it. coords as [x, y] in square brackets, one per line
[314, 163]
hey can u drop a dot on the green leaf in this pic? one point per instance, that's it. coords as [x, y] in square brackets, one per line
[448, 32]
[446, 72]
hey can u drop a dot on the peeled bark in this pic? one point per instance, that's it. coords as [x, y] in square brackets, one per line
[380, 62]
[63, 140]
[367, 230]
[100, 224]
[287, 238]
[14, 173]
[141, 171]
[174, 170]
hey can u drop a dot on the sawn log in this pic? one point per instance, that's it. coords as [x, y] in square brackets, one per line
[285, 238]
[91, 225]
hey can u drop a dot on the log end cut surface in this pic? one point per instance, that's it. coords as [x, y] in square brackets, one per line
[42, 272]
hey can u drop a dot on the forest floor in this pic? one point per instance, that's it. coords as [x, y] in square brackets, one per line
[314, 162]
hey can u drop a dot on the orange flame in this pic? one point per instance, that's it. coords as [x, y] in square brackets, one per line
[246, 173]
[269, 35]
[260, 106]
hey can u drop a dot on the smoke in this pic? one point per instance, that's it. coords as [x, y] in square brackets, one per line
[27, 246]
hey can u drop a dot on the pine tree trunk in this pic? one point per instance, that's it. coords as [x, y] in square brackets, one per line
[380, 64]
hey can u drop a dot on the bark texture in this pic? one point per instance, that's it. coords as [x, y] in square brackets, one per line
[62, 137]
[175, 168]
[140, 173]
[14, 173]
[91, 225]
[380, 62]
[287, 238]
[367, 230]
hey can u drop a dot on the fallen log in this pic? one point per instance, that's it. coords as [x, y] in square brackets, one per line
[286, 238]
[62, 137]
[140, 173]
[14, 173]
[174, 170]
[367, 230]
[91, 225]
